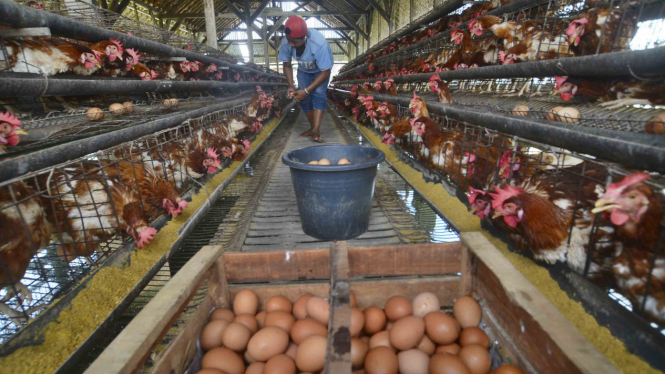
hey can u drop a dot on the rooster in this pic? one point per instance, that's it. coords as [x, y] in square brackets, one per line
[48, 57]
[441, 89]
[10, 129]
[636, 211]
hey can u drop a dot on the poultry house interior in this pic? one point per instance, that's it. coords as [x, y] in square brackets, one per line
[129, 142]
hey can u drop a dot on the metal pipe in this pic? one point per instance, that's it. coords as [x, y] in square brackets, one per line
[23, 164]
[21, 16]
[603, 65]
[638, 151]
[34, 85]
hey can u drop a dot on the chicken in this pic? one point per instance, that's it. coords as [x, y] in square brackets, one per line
[539, 45]
[24, 232]
[109, 51]
[179, 165]
[396, 133]
[441, 89]
[379, 88]
[612, 94]
[10, 129]
[144, 72]
[48, 57]
[601, 23]
[389, 84]
[636, 212]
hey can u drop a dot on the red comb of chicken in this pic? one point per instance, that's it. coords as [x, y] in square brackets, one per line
[117, 43]
[474, 194]
[504, 194]
[212, 153]
[10, 119]
[182, 205]
[559, 81]
[615, 189]
[145, 236]
[388, 138]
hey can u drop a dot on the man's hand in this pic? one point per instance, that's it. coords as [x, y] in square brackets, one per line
[300, 95]
[290, 92]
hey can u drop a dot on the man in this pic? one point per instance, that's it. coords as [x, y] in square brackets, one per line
[315, 59]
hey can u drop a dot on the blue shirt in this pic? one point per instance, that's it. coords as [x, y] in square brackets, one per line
[317, 56]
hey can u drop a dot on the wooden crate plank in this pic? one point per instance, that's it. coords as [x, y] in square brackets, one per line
[268, 266]
[338, 351]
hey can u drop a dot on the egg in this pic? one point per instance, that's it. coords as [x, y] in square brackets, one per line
[261, 318]
[175, 103]
[553, 114]
[359, 351]
[375, 320]
[235, 337]
[397, 307]
[249, 321]
[357, 322]
[280, 319]
[280, 364]
[407, 332]
[291, 351]
[117, 108]
[324, 161]
[476, 358]
[508, 369]
[474, 335]
[319, 309]
[211, 335]
[352, 299]
[441, 328]
[223, 359]
[167, 103]
[249, 358]
[426, 345]
[306, 327]
[424, 303]
[300, 306]
[267, 342]
[381, 360]
[222, 313]
[343, 162]
[467, 312]
[520, 110]
[453, 349]
[212, 371]
[380, 339]
[569, 115]
[276, 303]
[656, 125]
[443, 363]
[255, 368]
[94, 114]
[128, 106]
[311, 354]
[413, 361]
[245, 302]
[313, 162]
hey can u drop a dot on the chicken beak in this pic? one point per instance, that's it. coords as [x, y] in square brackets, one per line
[496, 215]
[603, 205]
[120, 57]
[20, 132]
[474, 210]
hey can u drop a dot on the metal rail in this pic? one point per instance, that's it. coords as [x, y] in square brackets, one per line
[35, 85]
[638, 151]
[20, 16]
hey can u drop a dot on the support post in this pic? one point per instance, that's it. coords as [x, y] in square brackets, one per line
[211, 24]
[250, 42]
[266, 51]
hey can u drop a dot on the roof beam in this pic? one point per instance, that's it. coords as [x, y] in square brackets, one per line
[269, 13]
[379, 9]
[258, 11]
[340, 47]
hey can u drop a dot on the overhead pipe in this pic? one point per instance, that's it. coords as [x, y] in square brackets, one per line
[20, 16]
[637, 151]
[23, 164]
[35, 85]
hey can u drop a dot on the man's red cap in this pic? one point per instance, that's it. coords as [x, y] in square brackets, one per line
[295, 27]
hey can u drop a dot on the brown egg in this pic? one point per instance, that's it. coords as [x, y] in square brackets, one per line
[443, 363]
[319, 309]
[357, 322]
[474, 335]
[222, 313]
[236, 335]
[313, 162]
[424, 303]
[261, 318]
[467, 312]
[223, 359]
[280, 364]
[343, 162]
[380, 339]
[426, 345]
[277, 303]
[175, 103]
[291, 351]
[656, 124]
[520, 110]
[167, 103]
[267, 342]
[245, 302]
[407, 332]
[324, 161]
[300, 306]
[306, 327]
[375, 320]
[413, 361]
[249, 321]
[94, 114]
[359, 351]
[441, 328]
[553, 114]
[249, 358]
[569, 115]
[389, 325]
[117, 108]
[280, 319]
[397, 307]
[508, 369]
[381, 360]
[311, 355]
[352, 299]
[212, 371]
[211, 335]
[255, 368]
[476, 358]
[453, 349]
[129, 107]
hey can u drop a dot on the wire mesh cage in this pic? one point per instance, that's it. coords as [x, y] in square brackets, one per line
[603, 221]
[61, 223]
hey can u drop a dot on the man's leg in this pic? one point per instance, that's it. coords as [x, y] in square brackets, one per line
[317, 115]
[312, 121]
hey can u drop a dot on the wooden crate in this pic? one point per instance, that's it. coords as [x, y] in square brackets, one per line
[530, 331]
